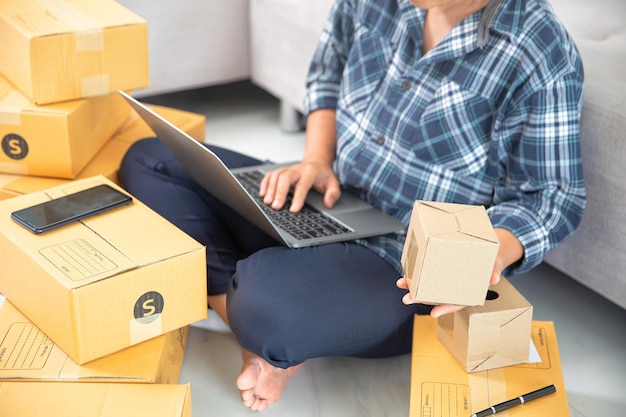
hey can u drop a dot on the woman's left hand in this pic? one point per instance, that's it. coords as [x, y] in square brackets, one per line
[441, 309]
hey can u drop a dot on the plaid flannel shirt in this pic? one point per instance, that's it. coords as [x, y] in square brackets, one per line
[488, 118]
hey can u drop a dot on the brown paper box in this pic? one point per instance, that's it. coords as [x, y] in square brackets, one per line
[61, 50]
[440, 387]
[105, 283]
[27, 354]
[57, 140]
[72, 399]
[107, 161]
[449, 253]
[491, 336]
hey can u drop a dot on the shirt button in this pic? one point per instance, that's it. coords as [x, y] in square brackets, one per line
[406, 85]
[380, 140]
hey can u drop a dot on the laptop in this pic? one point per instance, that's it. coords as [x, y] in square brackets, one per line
[349, 219]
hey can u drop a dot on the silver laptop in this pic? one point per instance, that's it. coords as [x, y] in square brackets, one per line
[315, 224]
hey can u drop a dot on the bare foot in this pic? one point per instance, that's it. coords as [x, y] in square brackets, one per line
[260, 383]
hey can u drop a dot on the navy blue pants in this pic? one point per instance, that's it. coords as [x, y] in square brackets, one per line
[285, 305]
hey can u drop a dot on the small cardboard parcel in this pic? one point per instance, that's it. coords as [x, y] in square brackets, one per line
[105, 283]
[449, 253]
[491, 336]
[27, 354]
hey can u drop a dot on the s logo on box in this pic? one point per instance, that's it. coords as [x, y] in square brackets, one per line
[148, 307]
[14, 146]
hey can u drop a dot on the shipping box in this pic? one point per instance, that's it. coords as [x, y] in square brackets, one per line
[62, 50]
[107, 161]
[491, 336]
[73, 399]
[27, 354]
[440, 387]
[449, 253]
[57, 140]
[105, 283]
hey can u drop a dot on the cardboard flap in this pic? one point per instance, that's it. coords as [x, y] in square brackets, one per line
[448, 220]
[475, 225]
[495, 361]
[451, 208]
[437, 221]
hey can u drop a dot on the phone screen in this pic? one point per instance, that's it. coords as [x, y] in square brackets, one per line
[70, 208]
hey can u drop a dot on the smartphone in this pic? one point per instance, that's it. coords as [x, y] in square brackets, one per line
[70, 208]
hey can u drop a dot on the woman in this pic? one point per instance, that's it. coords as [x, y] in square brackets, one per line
[463, 101]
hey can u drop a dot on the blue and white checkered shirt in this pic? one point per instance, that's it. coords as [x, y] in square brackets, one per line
[488, 118]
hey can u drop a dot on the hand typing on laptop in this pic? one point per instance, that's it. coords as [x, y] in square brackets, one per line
[315, 170]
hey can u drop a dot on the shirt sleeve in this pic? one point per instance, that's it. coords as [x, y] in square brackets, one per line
[331, 54]
[541, 198]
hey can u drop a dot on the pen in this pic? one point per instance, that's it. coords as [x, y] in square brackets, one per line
[516, 401]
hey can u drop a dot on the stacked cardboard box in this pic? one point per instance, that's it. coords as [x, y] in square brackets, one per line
[107, 160]
[73, 294]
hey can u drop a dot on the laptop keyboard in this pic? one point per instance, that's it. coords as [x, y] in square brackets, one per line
[306, 224]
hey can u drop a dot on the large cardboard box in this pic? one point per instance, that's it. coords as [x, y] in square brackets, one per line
[61, 50]
[440, 387]
[47, 399]
[449, 253]
[27, 354]
[57, 140]
[105, 283]
[107, 161]
[491, 336]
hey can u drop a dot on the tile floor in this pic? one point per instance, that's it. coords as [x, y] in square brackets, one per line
[591, 331]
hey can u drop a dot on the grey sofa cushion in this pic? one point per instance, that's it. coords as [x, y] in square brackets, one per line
[595, 255]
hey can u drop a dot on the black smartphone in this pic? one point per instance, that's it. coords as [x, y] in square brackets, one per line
[70, 208]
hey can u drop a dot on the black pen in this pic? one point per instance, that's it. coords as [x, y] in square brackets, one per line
[516, 401]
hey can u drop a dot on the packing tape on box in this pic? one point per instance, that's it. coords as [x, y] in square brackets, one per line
[97, 85]
[11, 106]
[145, 328]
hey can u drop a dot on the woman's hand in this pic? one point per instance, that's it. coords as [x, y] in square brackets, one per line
[509, 252]
[315, 171]
[303, 176]
[441, 309]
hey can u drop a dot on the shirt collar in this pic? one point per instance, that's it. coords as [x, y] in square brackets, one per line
[503, 16]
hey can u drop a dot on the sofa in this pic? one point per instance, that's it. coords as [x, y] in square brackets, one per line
[270, 42]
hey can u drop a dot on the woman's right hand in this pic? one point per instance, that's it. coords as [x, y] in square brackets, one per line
[302, 176]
